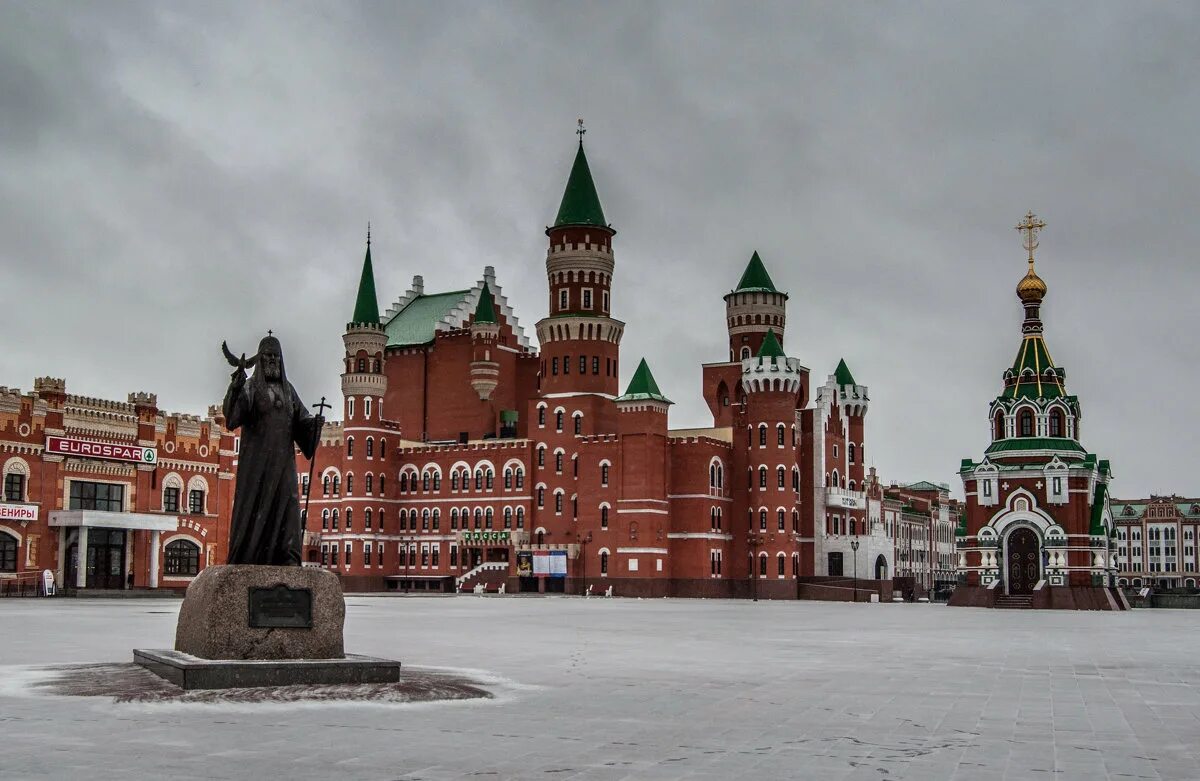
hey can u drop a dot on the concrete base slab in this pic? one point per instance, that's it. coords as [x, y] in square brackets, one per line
[191, 672]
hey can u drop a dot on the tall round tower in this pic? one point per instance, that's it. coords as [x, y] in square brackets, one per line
[753, 309]
[580, 340]
[773, 383]
[363, 380]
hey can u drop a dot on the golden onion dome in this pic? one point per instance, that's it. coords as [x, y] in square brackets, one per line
[1031, 287]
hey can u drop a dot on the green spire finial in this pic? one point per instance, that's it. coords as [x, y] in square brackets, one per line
[842, 374]
[643, 386]
[771, 347]
[755, 277]
[366, 306]
[485, 312]
[580, 204]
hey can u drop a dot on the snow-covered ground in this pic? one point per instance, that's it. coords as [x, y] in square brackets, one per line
[613, 689]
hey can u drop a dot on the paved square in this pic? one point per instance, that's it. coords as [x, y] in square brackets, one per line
[654, 689]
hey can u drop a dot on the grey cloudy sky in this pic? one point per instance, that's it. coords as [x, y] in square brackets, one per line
[174, 174]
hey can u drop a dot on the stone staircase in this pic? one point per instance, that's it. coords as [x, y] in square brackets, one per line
[1015, 601]
[490, 573]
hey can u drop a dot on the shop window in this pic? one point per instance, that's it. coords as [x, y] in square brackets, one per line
[182, 558]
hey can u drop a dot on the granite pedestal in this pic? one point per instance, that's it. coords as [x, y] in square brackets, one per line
[254, 625]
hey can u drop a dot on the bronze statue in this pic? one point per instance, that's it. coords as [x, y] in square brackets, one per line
[266, 528]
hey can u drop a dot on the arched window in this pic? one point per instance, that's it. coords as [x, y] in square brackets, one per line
[349, 484]
[324, 520]
[382, 449]
[425, 520]
[370, 447]
[541, 455]
[762, 477]
[762, 434]
[520, 517]
[337, 520]
[781, 519]
[1026, 423]
[541, 537]
[349, 519]
[745, 353]
[1056, 423]
[507, 517]
[781, 474]
[604, 474]
[490, 478]
[850, 486]
[478, 479]
[325, 485]
[836, 479]
[437, 519]
[382, 477]
[558, 462]
[762, 520]
[604, 517]
[998, 426]
[782, 565]
[541, 415]
[367, 519]
[603, 562]
[558, 502]
[780, 436]
[850, 452]
[425, 478]
[520, 477]
[453, 518]
[558, 420]
[367, 482]
[182, 558]
[454, 480]
[578, 424]
[487, 518]
[508, 478]
[541, 497]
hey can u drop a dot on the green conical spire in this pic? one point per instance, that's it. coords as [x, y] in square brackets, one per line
[755, 277]
[485, 312]
[771, 347]
[643, 386]
[580, 204]
[842, 374]
[366, 306]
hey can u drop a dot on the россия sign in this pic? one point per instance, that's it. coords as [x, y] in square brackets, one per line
[83, 448]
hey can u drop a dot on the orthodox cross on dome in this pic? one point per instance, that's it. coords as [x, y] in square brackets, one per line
[1031, 226]
[368, 233]
[270, 332]
[580, 130]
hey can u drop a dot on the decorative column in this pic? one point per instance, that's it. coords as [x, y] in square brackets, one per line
[81, 553]
[154, 545]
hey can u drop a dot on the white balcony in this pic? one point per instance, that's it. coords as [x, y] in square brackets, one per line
[841, 498]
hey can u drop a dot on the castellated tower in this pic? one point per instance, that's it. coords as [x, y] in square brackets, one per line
[485, 332]
[363, 380]
[772, 382]
[752, 310]
[580, 340]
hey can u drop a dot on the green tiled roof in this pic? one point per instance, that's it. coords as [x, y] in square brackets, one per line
[485, 312]
[417, 321]
[842, 374]
[1018, 444]
[580, 203]
[770, 347]
[755, 277]
[1035, 356]
[642, 386]
[1097, 527]
[366, 305]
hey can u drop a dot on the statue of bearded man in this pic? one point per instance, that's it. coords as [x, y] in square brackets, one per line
[265, 528]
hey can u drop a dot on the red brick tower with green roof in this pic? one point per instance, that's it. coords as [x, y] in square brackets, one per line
[752, 309]
[364, 379]
[485, 331]
[1038, 526]
[580, 340]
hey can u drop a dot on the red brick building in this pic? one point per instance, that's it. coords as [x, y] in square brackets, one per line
[1156, 542]
[467, 456]
[108, 494]
[1038, 529]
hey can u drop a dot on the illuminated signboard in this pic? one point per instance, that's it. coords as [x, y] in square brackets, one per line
[111, 451]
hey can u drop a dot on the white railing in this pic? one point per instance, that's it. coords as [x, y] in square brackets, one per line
[845, 498]
[487, 565]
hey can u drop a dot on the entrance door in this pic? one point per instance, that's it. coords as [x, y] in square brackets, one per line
[1023, 569]
[881, 568]
[106, 558]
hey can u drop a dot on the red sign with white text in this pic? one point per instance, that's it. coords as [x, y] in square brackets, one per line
[83, 448]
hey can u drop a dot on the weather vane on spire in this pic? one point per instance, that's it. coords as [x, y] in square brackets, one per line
[368, 233]
[1031, 226]
[580, 130]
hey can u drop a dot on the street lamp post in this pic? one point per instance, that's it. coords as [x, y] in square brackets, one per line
[753, 542]
[854, 547]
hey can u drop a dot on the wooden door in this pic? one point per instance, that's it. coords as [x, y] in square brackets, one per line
[1023, 565]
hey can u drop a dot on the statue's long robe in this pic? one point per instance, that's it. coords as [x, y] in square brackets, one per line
[265, 528]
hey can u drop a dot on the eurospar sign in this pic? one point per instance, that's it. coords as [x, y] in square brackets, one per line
[84, 448]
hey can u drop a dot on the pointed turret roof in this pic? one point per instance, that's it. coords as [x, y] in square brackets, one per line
[771, 347]
[366, 305]
[755, 277]
[580, 204]
[842, 374]
[485, 311]
[643, 386]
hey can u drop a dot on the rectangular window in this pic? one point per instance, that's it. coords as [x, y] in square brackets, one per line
[97, 496]
[566, 364]
[987, 487]
[1058, 485]
[587, 298]
[596, 365]
[554, 366]
[563, 298]
[436, 552]
[349, 553]
[583, 364]
[324, 555]
[196, 501]
[171, 499]
[604, 301]
[366, 554]
[633, 565]
[14, 487]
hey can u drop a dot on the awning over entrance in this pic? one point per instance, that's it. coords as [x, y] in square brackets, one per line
[111, 520]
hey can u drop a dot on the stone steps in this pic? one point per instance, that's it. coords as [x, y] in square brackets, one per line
[1015, 601]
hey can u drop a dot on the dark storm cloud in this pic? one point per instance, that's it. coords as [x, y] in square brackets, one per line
[164, 166]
